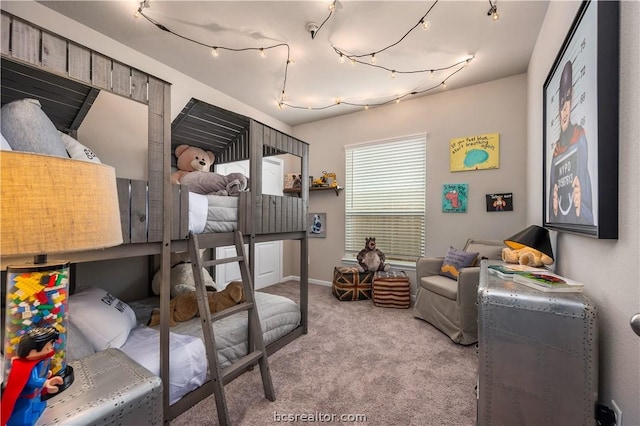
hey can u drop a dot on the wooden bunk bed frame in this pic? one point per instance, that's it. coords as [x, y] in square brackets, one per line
[66, 78]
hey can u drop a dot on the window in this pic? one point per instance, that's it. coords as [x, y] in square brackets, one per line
[385, 188]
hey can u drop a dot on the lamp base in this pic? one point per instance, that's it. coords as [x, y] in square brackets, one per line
[67, 380]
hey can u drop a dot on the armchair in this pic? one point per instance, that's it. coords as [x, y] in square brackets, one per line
[449, 304]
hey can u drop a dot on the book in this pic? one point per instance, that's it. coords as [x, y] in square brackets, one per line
[506, 271]
[547, 281]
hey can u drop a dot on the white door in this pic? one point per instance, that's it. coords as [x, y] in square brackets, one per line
[268, 265]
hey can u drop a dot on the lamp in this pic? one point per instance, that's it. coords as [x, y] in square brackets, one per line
[534, 237]
[50, 205]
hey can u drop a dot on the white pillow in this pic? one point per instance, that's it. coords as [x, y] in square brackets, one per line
[103, 319]
[78, 151]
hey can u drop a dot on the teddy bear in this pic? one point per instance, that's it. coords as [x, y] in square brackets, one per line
[185, 306]
[191, 159]
[526, 256]
[370, 258]
[181, 276]
[193, 171]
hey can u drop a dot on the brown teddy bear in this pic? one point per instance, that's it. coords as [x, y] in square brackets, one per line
[185, 306]
[191, 159]
[526, 256]
[370, 258]
[194, 171]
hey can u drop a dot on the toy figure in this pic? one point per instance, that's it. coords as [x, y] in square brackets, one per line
[30, 377]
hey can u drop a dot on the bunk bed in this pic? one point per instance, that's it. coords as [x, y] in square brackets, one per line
[66, 77]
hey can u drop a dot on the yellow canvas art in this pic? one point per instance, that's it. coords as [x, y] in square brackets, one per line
[477, 152]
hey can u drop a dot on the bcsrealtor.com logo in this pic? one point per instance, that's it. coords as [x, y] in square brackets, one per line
[318, 417]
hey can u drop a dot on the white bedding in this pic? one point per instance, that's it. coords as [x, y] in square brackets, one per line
[187, 352]
[212, 213]
[278, 316]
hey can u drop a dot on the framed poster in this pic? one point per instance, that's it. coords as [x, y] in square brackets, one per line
[499, 202]
[580, 134]
[454, 197]
[317, 225]
[478, 152]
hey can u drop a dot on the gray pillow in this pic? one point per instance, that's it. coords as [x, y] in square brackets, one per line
[27, 128]
[455, 260]
[78, 346]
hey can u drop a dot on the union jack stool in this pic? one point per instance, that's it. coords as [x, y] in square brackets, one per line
[349, 284]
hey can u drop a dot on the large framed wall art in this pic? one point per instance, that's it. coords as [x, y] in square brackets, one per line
[580, 134]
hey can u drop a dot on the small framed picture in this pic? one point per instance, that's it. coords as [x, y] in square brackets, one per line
[499, 202]
[293, 180]
[454, 197]
[317, 225]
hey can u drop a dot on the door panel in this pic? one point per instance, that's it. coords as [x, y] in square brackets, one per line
[268, 265]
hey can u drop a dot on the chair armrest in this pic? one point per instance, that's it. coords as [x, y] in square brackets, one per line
[426, 266]
[468, 281]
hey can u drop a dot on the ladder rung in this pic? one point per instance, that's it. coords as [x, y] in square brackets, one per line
[222, 261]
[241, 363]
[232, 310]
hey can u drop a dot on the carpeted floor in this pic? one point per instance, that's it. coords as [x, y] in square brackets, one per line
[358, 359]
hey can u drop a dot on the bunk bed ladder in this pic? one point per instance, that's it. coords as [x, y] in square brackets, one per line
[255, 344]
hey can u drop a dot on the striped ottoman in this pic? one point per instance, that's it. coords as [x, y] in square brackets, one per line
[349, 284]
[391, 290]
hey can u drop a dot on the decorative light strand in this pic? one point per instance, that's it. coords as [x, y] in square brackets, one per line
[332, 7]
[372, 54]
[215, 49]
[342, 55]
[396, 99]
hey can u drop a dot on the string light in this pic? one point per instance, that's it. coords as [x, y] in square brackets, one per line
[138, 12]
[493, 10]
[342, 55]
[315, 29]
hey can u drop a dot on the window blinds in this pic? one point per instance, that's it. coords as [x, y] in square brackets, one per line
[385, 188]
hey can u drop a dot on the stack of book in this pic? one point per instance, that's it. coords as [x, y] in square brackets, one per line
[538, 278]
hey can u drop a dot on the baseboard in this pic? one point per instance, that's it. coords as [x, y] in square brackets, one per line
[311, 281]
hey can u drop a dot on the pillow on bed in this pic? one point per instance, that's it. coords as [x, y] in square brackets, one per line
[78, 346]
[104, 319]
[78, 151]
[28, 129]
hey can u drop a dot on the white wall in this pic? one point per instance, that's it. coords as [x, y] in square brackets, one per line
[495, 107]
[609, 269]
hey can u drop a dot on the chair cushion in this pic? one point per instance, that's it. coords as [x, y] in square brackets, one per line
[440, 285]
[486, 249]
[455, 260]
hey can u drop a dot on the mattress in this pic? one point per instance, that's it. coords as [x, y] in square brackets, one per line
[187, 352]
[278, 316]
[212, 213]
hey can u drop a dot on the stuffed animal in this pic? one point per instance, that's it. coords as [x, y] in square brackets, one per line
[193, 171]
[181, 276]
[526, 256]
[185, 306]
[191, 159]
[370, 258]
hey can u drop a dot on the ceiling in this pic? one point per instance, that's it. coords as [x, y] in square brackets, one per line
[316, 79]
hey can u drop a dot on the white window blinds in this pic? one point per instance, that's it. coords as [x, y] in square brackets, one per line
[385, 188]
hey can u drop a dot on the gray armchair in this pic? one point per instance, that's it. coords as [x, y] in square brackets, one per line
[451, 305]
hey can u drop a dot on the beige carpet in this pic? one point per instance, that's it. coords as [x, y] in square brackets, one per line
[357, 359]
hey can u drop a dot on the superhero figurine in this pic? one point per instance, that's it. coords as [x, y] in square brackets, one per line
[30, 377]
